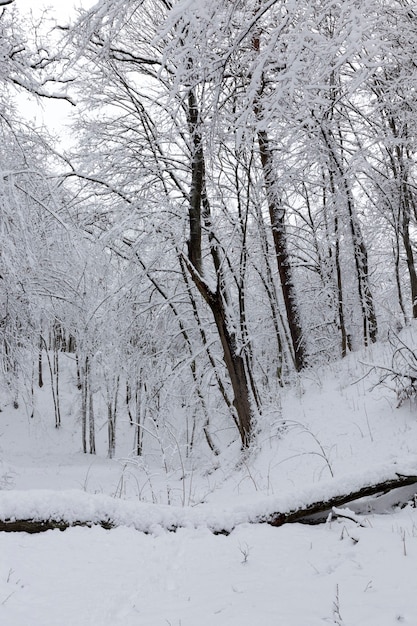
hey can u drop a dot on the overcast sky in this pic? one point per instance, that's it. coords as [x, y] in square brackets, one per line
[63, 9]
[53, 113]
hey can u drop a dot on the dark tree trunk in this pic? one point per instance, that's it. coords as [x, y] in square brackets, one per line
[91, 423]
[84, 404]
[111, 417]
[197, 182]
[396, 252]
[405, 233]
[87, 409]
[345, 342]
[217, 300]
[56, 384]
[277, 217]
[40, 368]
[320, 508]
[279, 233]
[406, 201]
[235, 363]
[399, 157]
[360, 253]
[370, 327]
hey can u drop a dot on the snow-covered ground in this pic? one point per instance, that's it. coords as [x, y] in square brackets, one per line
[293, 576]
[333, 431]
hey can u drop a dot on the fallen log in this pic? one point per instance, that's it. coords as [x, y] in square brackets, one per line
[34, 526]
[325, 506]
[144, 517]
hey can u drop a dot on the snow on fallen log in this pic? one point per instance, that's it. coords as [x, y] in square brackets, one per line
[39, 510]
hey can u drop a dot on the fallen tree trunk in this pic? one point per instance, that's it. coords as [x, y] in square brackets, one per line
[326, 506]
[34, 526]
[180, 519]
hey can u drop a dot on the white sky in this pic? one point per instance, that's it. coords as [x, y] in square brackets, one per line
[63, 9]
[53, 112]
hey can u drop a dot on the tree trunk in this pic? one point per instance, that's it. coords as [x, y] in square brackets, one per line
[217, 300]
[325, 506]
[112, 399]
[197, 182]
[405, 233]
[277, 217]
[334, 234]
[236, 368]
[320, 508]
[91, 423]
[87, 409]
[345, 343]
[54, 373]
[360, 253]
[234, 362]
[40, 368]
[56, 383]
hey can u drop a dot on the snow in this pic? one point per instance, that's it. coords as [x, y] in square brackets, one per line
[74, 505]
[332, 434]
[295, 575]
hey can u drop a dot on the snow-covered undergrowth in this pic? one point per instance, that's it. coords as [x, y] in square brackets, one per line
[333, 431]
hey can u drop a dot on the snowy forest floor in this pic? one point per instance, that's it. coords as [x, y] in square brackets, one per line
[333, 427]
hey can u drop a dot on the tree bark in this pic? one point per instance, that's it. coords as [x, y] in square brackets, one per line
[34, 526]
[277, 217]
[234, 362]
[360, 252]
[406, 202]
[279, 231]
[325, 506]
[197, 181]
[217, 300]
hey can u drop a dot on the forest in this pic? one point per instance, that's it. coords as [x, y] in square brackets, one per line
[208, 294]
[234, 203]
